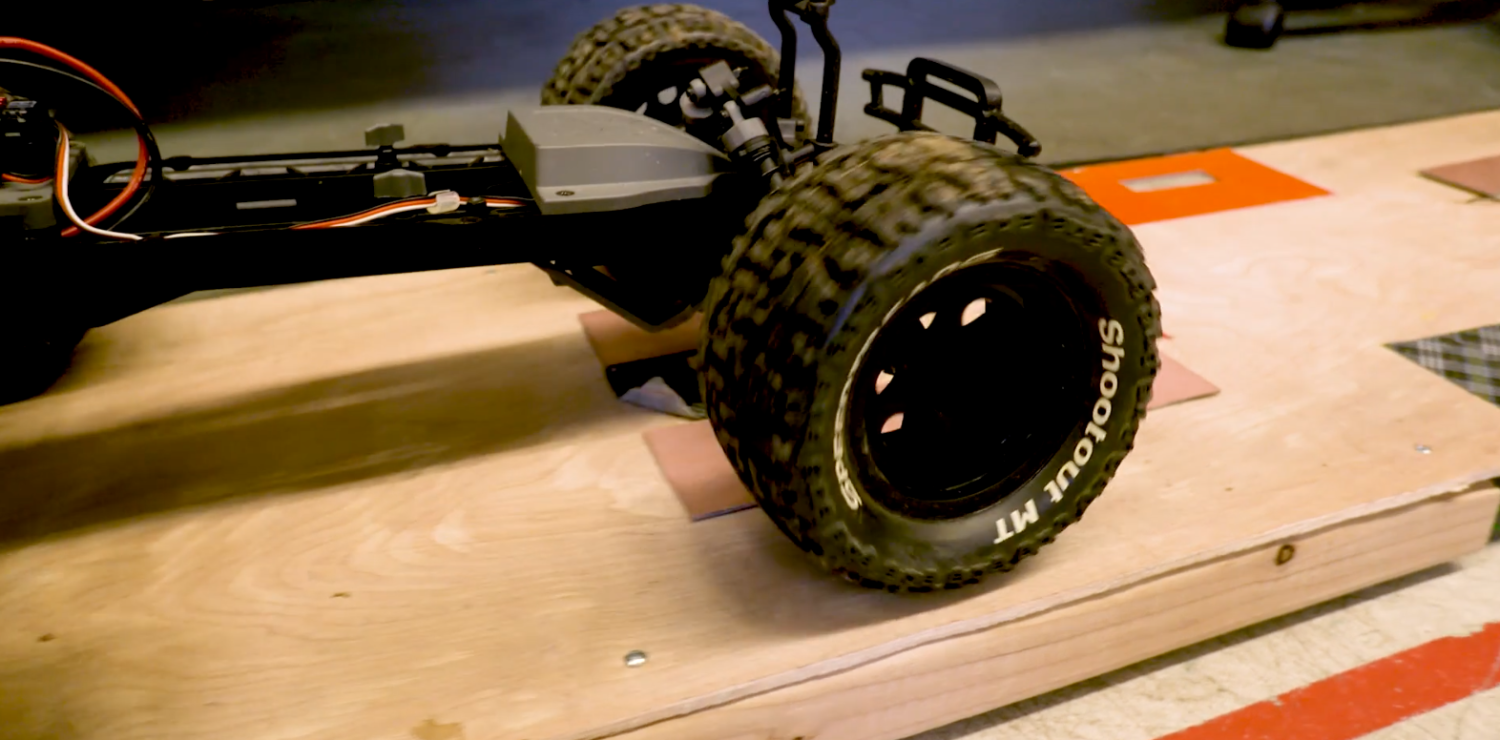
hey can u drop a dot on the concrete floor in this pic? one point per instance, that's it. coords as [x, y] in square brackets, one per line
[1182, 689]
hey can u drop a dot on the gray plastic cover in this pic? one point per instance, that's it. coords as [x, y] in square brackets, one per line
[585, 158]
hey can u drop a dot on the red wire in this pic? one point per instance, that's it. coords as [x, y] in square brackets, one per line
[24, 181]
[142, 157]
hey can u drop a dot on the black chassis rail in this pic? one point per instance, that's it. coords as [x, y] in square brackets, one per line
[84, 281]
[274, 191]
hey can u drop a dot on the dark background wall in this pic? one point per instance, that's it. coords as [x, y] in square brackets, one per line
[1094, 78]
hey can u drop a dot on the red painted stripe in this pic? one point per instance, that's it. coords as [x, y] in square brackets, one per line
[1373, 696]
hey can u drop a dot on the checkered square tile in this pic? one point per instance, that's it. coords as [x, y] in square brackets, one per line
[1470, 358]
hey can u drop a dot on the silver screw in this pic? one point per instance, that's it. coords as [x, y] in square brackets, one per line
[635, 659]
[1424, 449]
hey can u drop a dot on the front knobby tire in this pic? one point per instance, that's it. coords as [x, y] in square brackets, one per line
[926, 357]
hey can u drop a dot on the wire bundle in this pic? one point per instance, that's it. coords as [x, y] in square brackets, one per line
[149, 161]
[148, 157]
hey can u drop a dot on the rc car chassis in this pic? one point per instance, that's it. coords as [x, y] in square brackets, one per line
[924, 354]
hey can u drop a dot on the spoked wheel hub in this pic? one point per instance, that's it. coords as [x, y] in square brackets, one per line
[970, 389]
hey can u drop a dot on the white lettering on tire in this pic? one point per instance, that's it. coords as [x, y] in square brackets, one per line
[1083, 451]
[1112, 335]
[1020, 519]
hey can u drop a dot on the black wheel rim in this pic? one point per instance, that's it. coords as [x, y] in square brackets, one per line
[971, 388]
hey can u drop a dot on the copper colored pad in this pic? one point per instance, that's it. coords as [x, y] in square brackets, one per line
[1175, 383]
[707, 486]
[697, 470]
[1481, 176]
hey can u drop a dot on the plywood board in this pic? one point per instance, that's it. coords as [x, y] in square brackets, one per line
[941, 681]
[617, 341]
[398, 506]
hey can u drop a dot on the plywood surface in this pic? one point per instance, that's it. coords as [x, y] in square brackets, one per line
[943, 681]
[411, 505]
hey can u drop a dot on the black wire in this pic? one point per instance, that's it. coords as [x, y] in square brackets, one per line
[153, 152]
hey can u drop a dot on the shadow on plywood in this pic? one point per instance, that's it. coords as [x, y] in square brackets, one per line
[309, 436]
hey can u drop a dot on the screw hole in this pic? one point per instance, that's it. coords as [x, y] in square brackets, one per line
[1285, 554]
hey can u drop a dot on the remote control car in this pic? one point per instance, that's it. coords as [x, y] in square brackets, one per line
[924, 354]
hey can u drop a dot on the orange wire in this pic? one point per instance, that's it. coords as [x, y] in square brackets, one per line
[362, 214]
[142, 157]
[331, 223]
[23, 180]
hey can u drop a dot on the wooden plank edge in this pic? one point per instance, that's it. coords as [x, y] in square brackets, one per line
[962, 677]
[785, 679]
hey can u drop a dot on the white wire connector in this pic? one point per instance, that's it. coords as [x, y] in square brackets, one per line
[63, 139]
[447, 202]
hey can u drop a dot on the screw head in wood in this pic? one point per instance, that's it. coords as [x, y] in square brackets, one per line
[635, 659]
[1424, 449]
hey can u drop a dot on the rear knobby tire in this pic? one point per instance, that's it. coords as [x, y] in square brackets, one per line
[618, 60]
[833, 261]
[630, 57]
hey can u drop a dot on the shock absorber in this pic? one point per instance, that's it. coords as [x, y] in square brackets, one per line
[749, 141]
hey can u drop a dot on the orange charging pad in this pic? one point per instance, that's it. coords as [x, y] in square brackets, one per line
[1180, 185]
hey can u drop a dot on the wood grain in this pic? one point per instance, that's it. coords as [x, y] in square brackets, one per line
[396, 506]
[947, 680]
[617, 341]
